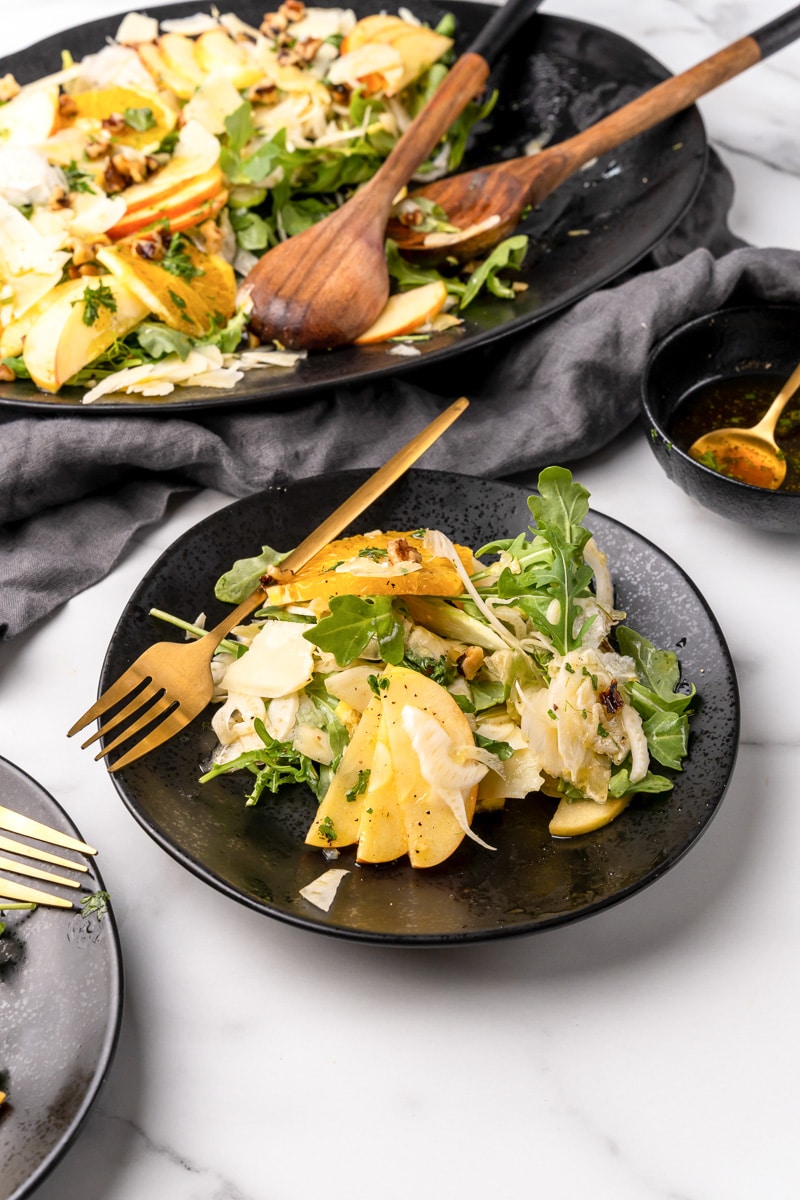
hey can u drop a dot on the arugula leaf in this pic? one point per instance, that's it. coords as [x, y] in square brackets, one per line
[658, 669]
[508, 255]
[158, 340]
[242, 579]
[620, 783]
[278, 763]
[437, 669]
[353, 623]
[502, 749]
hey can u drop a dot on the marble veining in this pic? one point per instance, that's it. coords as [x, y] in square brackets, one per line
[645, 1054]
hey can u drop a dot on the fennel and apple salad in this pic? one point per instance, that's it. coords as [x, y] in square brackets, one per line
[411, 683]
[139, 186]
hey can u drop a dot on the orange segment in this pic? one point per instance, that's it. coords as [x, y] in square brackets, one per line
[192, 305]
[320, 579]
[142, 108]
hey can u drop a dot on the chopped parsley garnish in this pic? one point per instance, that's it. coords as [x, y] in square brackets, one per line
[178, 262]
[377, 684]
[376, 553]
[77, 180]
[95, 298]
[360, 785]
[140, 119]
[326, 829]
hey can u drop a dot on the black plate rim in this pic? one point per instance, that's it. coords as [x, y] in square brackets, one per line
[448, 938]
[116, 1006]
[222, 400]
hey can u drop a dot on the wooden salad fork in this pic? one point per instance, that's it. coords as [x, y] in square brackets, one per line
[14, 894]
[170, 683]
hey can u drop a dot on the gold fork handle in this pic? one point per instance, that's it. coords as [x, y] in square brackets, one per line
[341, 517]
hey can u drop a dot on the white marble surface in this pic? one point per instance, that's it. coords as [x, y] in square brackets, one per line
[646, 1054]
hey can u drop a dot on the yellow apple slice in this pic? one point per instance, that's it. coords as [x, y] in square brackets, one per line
[218, 54]
[177, 50]
[573, 817]
[419, 48]
[382, 835]
[338, 817]
[30, 117]
[163, 73]
[60, 342]
[432, 830]
[191, 305]
[405, 312]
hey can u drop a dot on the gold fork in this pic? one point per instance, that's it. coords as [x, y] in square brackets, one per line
[170, 683]
[17, 894]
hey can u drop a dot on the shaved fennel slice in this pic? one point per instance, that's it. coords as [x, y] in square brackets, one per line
[442, 766]
[640, 754]
[439, 544]
[321, 892]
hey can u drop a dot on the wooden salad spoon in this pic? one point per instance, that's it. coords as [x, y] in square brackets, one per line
[489, 202]
[750, 455]
[326, 285]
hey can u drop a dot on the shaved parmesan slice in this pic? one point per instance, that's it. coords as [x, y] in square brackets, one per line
[26, 177]
[321, 892]
[279, 662]
[136, 28]
[189, 26]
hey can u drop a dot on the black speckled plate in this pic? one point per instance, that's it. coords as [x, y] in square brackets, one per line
[560, 76]
[257, 855]
[61, 1004]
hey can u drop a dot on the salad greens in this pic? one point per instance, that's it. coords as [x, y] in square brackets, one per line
[559, 695]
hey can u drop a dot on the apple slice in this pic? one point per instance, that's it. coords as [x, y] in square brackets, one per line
[195, 156]
[60, 343]
[339, 815]
[163, 73]
[218, 54]
[433, 833]
[573, 817]
[182, 200]
[382, 835]
[404, 312]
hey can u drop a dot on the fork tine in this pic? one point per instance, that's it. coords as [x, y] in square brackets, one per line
[160, 709]
[14, 822]
[145, 696]
[172, 724]
[40, 855]
[18, 891]
[8, 864]
[129, 681]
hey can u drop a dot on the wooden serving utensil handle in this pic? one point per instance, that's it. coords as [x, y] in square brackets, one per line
[673, 95]
[466, 79]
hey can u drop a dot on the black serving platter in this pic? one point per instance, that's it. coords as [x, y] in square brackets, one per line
[532, 882]
[560, 76]
[61, 1003]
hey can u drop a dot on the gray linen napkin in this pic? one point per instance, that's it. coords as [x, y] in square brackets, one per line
[74, 491]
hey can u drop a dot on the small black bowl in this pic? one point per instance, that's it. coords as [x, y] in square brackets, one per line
[759, 339]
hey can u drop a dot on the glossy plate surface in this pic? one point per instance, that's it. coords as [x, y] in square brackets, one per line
[61, 1004]
[257, 855]
[561, 76]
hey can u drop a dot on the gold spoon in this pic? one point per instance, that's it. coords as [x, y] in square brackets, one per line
[750, 455]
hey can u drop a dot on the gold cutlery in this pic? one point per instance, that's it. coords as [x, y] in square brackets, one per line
[170, 683]
[18, 893]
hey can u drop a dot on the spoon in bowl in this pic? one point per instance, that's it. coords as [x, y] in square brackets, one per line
[750, 455]
[488, 203]
[326, 285]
